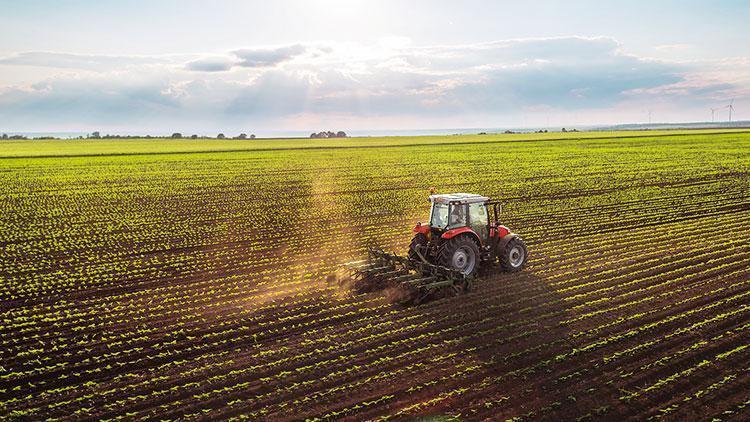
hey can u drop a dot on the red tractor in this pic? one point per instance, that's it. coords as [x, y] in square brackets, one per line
[446, 254]
[462, 237]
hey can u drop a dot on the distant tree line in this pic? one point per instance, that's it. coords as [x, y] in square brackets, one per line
[98, 135]
[6, 137]
[178, 135]
[328, 134]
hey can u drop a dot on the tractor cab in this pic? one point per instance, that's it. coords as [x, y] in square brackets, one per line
[457, 211]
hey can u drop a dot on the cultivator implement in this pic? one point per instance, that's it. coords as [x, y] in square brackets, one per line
[410, 280]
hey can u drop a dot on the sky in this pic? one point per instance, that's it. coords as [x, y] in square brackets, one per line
[308, 65]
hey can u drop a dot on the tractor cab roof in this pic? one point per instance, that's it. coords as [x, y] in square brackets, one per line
[458, 198]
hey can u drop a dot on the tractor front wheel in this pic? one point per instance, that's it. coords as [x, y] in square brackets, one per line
[461, 253]
[513, 257]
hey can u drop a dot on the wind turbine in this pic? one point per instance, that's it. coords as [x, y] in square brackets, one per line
[731, 109]
[713, 110]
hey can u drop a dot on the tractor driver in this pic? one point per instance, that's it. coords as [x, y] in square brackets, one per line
[457, 215]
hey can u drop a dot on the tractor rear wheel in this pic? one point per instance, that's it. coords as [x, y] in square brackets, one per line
[417, 243]
[514, 256]
[461, 253]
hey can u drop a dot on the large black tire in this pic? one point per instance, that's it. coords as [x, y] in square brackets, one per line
[514, 256]
[419, 240]
[461, 253]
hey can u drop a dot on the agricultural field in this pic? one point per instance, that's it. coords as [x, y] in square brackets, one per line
[145, 279]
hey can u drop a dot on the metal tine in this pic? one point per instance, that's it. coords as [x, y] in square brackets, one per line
[363, 266]
[420, 280]
[356, 263]
[405, 277]
[392, 273]
[374, 269]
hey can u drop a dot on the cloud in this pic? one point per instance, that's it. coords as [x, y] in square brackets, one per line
[210, 64]
[266, 57]
[390, 81]
[262, 57]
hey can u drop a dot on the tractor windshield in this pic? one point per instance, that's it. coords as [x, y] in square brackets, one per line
[439, 217]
